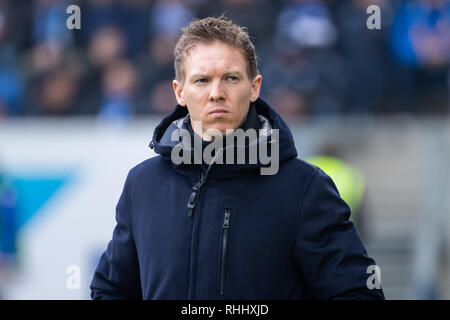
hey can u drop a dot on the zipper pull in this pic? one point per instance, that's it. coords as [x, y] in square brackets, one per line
[193, 197]
[226, 219]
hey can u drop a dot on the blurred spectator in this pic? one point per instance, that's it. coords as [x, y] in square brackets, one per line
[11, 78]
[130, 17]
[119, 84]
[290, 103]
[11, 84]
[304, 60]
[45, 57]
[156, 64]
[420, 44]
[364, 53]
[307, 35]
[162, 98]
[307, 23]
[106, 46]
[420, 36]
[169, 16]
[49, 23]
[54, 93]
[157, 73]
[19, 39]
[256, 15]
[298, 75]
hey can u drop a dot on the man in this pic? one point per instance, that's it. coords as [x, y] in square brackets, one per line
[216, 230]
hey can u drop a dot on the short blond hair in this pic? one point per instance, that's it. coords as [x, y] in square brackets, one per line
[209, 30]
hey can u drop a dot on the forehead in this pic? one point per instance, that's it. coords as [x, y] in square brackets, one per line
[214, 57]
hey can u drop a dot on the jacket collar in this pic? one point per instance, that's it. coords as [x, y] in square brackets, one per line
[260, 115]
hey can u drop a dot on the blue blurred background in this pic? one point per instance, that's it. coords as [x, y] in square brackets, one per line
[78, 108]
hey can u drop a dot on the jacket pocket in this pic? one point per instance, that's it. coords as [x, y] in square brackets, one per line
[223, 249]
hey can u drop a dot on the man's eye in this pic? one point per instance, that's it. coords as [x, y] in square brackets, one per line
[202, 80]
[232, 78]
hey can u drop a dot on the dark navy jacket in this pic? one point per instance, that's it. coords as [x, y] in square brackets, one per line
[248, 236]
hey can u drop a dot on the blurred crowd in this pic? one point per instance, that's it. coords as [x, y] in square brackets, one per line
[316, 56]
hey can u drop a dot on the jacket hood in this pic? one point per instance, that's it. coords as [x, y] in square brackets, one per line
[163, 144]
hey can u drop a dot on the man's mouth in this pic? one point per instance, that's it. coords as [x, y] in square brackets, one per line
[218, 112]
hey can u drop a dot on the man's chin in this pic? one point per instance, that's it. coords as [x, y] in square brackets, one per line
[221, 126]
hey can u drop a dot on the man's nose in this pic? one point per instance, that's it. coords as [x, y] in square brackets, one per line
[217, 92]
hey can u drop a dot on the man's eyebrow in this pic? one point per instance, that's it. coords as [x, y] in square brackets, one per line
[232, 72]
[196, 75]
[200, 75]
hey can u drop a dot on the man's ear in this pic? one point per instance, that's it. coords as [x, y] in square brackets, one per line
[178, 90]
[256, 87]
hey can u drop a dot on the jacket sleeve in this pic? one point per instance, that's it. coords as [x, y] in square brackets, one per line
[117, 274]
[328, 249]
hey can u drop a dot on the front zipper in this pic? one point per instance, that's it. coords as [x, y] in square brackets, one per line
[193, 199]
[225, 227]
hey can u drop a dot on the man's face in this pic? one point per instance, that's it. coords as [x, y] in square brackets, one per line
[216, 87]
